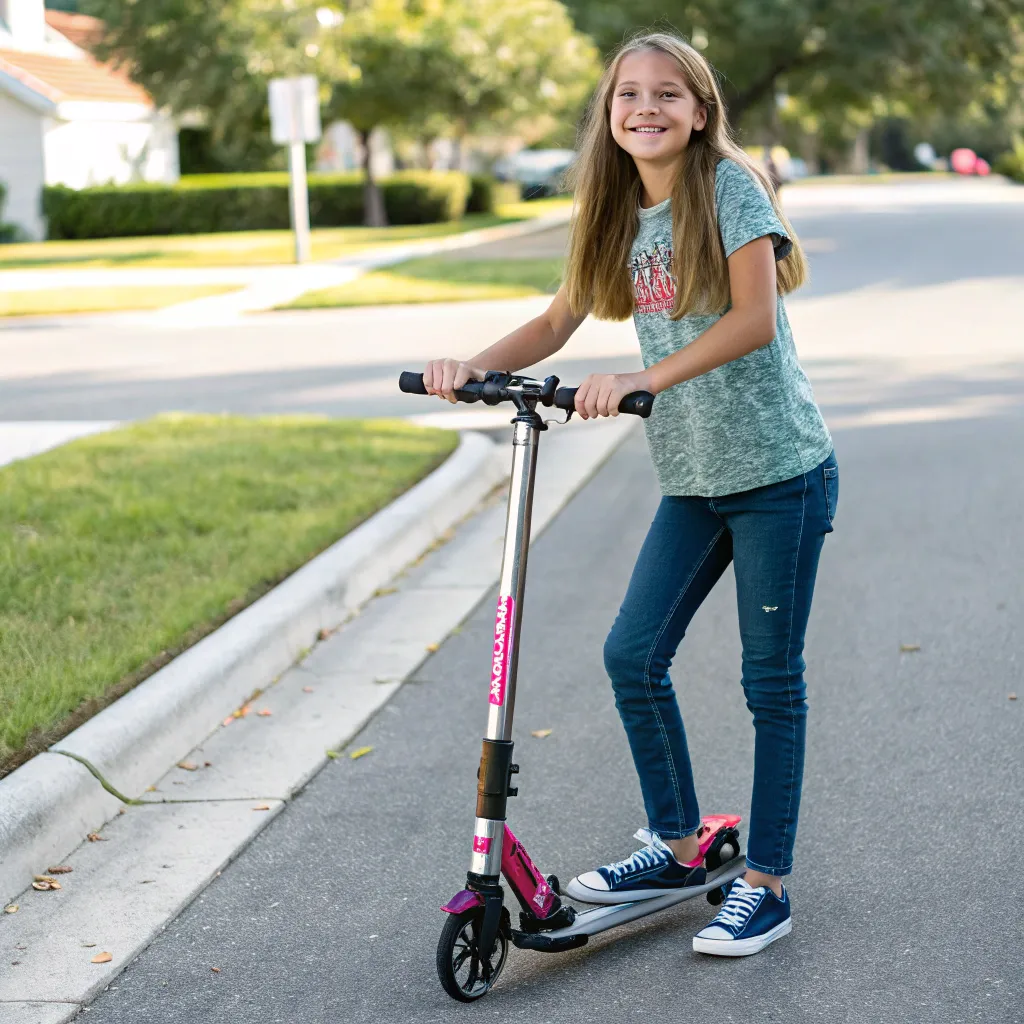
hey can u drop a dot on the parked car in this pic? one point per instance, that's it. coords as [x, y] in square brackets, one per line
[538, 172]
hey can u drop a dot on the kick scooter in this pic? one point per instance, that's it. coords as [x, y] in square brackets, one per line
[474, 942]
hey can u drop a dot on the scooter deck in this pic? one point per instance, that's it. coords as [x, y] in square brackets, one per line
[606, 916]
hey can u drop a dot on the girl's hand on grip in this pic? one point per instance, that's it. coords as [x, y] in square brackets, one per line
[443, 377]
[601, 393]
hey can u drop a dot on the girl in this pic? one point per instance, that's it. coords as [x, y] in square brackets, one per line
[675, 225]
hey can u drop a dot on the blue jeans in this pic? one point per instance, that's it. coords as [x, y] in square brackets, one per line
[773, 535]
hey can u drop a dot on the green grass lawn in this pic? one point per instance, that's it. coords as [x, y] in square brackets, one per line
[248, 248]
[440, 279]
[118, 551]
[52, 302]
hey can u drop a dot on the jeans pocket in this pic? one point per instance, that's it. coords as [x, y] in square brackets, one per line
[831, 471]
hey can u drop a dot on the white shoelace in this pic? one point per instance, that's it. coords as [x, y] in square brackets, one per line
[738, 906]
[654, 853]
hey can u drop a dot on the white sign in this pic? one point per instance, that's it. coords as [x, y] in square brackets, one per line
[294, 110]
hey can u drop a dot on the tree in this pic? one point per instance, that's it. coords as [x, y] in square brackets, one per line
[513, 60]
[212, 61]
[386, 65]
[833, 54]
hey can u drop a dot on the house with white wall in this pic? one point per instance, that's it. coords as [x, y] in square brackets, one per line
[67, 119]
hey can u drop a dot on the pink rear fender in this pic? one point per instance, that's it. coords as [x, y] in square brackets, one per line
[711, 825]
[463, 901]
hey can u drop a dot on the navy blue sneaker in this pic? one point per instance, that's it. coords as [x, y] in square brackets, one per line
[749, 920]
[647, 874]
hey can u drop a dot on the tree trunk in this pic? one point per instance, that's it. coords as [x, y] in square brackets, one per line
[455, 160]
[374, 213]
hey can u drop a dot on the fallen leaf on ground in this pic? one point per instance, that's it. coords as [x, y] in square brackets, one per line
[265, 713]
[362, 751]
[12, 909]
[207, 764]
[189, 766]
[332, 754]
[60, 869]
[1012, 696]
[323, 634]
[151, 789]
[44, 882]
[541, 733]
[384, 591]
[102, 958]
[908, 648]
[95, 837]
[432, 647]
[216, 970]
[262, 807]
[228, 720]
[88, 945]
[307, 689]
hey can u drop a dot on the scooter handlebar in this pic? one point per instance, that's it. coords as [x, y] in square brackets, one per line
[638, 403]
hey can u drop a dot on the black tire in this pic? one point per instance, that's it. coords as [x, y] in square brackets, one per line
[717, 896]
[457, 948]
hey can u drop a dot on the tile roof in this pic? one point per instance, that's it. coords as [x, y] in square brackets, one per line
[80, 29]
[64, 78]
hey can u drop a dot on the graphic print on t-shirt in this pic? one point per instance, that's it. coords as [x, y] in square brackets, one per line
[653, 284]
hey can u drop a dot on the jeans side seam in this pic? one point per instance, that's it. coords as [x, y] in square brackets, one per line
[647, 673]
[789, 649]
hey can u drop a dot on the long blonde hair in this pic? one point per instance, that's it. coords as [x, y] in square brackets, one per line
[607, 193]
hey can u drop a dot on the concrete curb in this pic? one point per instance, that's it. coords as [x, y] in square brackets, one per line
[49, 803]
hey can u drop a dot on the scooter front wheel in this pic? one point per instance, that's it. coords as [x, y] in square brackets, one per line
[464, 974]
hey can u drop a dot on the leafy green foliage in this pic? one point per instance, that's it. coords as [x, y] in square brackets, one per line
[1011, 163]
[245, 202]
[833, 54]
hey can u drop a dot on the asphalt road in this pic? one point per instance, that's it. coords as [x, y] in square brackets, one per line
[907, 889]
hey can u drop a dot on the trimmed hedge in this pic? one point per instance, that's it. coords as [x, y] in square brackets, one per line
[486, 194]
[203, 203]
[8, 232]
[1011, 164]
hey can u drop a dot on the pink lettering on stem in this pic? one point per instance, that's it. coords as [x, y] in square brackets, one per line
[502, 640]
[481, 844]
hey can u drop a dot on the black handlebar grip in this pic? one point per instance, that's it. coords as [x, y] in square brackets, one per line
[637, 403]
[411, 383]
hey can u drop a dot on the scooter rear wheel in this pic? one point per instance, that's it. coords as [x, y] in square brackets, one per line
[463, 974]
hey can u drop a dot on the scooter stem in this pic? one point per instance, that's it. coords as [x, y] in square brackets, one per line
[496, 766]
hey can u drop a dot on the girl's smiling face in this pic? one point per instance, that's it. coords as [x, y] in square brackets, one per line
[653, 111]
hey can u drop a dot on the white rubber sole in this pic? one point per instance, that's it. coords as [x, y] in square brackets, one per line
[742, 947]
[576, 890]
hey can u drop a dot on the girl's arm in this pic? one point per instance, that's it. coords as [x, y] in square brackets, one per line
[535, 340]
[749, 324]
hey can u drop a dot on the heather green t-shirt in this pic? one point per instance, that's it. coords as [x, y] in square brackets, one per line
[750, 422]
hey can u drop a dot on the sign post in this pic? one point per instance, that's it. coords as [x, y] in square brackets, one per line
[294, 121]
